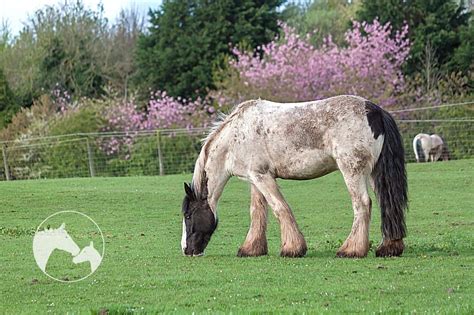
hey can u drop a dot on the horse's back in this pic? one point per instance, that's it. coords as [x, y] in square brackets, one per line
[301, 140]
[436, 140]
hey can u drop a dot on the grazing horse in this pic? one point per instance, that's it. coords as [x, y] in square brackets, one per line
[262, 140]
[430, 148]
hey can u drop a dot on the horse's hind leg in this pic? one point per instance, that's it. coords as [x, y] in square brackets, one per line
[426, 152]
[256, 242]
[293, 243]
[436, 153]
[357, 243]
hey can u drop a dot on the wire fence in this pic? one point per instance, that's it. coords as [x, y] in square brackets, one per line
[154, 152]
[161, 152]
[457, 135]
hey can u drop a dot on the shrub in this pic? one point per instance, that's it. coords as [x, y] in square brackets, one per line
[162, 112]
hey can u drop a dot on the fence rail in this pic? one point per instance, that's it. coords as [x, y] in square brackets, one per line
[160, 152]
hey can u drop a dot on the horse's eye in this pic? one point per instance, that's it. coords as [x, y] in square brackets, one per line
[188, 217]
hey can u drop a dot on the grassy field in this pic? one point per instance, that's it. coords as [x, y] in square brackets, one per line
[144, 271]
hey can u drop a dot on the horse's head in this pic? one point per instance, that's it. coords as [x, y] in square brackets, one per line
[199, 222]
[84, 254]
[63, 241]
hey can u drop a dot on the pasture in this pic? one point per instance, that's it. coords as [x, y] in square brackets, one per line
[144, 270]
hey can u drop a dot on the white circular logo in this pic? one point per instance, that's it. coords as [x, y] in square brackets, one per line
[68, 246]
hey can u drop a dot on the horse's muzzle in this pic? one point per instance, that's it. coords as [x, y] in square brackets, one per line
[191, 253]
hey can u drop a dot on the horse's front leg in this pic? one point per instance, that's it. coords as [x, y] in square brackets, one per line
[293, 243]
[256, 242]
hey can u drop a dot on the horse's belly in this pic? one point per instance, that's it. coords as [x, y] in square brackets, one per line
[307, 165]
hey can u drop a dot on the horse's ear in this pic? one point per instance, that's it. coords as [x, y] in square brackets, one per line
[189, 191]
[63, 226]
[91, 244]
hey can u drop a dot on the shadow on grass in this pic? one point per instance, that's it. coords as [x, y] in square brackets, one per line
[119, 310]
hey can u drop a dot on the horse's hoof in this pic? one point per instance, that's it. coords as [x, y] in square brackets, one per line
[390, 248]
[353, 249]
[251, 253]
[343, 254]
[300, 252]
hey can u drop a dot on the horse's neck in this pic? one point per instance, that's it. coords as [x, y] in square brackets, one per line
[43, 247]
[46, 242]
[210, 173]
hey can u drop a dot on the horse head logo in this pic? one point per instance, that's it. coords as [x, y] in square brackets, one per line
[82, 247]
[90, 254]
[46, 241]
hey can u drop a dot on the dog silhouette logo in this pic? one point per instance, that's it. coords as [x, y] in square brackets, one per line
[68, 246]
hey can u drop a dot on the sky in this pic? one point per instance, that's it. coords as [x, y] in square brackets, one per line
[16, 12]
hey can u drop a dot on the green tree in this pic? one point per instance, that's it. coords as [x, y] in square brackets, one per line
[187, 38]
[71, 38]
[322, 18]
[121, 48]
[74, 48]
[463, 57]
[433, 23]
[61, 46]
[8, 106]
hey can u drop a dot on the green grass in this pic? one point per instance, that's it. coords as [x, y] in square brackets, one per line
[143, 269]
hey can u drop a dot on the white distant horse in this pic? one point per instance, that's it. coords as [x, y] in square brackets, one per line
[45, 242]
[262, 140]
[429, 148]
[90, 254]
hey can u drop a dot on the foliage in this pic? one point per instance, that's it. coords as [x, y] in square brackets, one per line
[31, 122]
[69, 155]
[187, 38]
[453, 124]
[8, 106]
[26, 124]
[423, 91]
[162, 112]
[86, 120]
[49, 115]
[59, 46]
[71, 47]
[322, 18]
[179, 154]
[34, 151]
[438, 23]
[463, 57]
[122, 40]
[294, 70]
[144, 270]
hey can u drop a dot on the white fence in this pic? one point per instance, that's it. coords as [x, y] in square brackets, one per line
[160, 152]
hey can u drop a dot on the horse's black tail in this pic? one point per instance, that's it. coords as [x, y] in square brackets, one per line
[390, 180]
[419, 150]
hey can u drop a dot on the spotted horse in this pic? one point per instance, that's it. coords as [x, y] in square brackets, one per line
[260, 141]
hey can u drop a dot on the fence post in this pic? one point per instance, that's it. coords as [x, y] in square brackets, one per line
[5, 162]
[90, 156]
[160, 156]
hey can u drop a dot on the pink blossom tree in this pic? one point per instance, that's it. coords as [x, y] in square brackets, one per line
[293, 70]
[162, 112]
